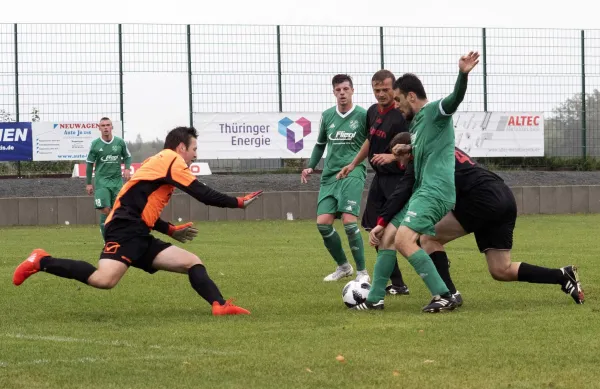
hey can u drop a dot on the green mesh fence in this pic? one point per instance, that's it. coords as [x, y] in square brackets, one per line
[85, 71]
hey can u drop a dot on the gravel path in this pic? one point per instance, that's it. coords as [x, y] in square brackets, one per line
[50, 187]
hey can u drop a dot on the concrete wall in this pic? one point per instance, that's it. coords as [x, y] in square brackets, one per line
[272, 205]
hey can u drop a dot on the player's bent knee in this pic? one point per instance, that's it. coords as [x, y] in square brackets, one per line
[193, 261]
[105, 210]
[406, 240]
[500, 265]
[430, 243]
[499, 274]
[501, 271]
[349, 218]
[325, 219]
[102, 282]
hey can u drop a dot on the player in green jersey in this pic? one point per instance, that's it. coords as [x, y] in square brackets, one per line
[434, 194]
[106, 153]
[343, 131]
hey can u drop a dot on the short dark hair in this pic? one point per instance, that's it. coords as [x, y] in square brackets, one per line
[410, 83]
[178, 135]
[402, 138]
[339, 78]
[104, 118]
[382, 75]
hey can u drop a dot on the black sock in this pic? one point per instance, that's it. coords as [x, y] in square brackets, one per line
[396, 276]
[67, 268]
[539, 275]
[440, 260]
[202, 284]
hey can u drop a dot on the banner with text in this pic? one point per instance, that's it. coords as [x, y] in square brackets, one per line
[15, 141]
[256, 135]
[293, 135]
[65, 140]
[500, 134]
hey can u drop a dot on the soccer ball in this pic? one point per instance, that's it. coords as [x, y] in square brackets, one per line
[355, 292]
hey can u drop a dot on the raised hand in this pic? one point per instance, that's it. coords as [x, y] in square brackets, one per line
[468, 62]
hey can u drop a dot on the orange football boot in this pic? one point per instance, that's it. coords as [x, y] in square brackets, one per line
[29, 266]
[228, 309]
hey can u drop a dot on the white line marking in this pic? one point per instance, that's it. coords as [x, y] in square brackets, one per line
[117, 343]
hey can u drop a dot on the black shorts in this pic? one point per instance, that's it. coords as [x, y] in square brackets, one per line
[132, 244]
[380, 190]
[490, 211]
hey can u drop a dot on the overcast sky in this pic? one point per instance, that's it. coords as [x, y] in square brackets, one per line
[432, 13]
[155, 104]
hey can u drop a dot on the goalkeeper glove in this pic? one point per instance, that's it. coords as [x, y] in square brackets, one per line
[182, 233]
[243, 202]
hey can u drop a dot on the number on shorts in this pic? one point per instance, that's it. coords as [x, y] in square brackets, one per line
[98, 203]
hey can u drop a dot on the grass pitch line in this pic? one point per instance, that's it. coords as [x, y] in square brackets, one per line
[117, 343]
[86, 360]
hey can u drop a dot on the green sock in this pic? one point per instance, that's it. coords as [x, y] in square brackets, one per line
[102, 220]
[425, 268]
[356, 245]
[333, 243]
[386, 259]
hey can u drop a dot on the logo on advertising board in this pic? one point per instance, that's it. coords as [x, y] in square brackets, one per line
[295, 132]
[16, 141]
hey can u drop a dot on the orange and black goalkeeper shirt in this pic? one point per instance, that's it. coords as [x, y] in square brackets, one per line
[149, 190]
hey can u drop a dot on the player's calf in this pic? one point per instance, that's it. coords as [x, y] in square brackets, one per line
[333, 244]
[39, 260]
[503, 269]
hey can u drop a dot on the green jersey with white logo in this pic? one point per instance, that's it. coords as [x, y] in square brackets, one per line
[107, 158]
[432, 138]
[344, 135]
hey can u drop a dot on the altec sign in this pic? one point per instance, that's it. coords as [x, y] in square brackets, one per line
[524, 121]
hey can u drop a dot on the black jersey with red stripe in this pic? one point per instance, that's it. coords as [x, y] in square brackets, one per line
[468, 174]
[384, 125]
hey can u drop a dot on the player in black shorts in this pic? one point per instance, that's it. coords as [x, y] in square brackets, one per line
[136, 212]
[384, 122]
[485, 206]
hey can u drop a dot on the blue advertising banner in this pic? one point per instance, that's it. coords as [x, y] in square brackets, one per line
[16, 141]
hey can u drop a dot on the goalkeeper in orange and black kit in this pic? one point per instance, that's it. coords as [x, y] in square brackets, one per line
[135, 213]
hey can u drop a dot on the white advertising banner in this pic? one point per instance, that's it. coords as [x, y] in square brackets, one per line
[256, 135]
[65, 140]
[500, 134]
[293, 135]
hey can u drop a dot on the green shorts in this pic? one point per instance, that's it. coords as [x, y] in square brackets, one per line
[105, 197]
[397, 219]
[424, 212]
[340, 197]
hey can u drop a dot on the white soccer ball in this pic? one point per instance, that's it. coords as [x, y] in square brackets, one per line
[355, 292]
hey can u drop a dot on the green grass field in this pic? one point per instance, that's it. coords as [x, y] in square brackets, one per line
[155, 332]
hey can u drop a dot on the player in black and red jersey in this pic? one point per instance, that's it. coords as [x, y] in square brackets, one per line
[485, 206]
[384, 122]
[135, 213]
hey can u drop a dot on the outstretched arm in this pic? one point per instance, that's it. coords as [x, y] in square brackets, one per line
[450, 104]
[181, 177]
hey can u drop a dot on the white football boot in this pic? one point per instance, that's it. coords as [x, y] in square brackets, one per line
[363, 276]
[340, 272]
